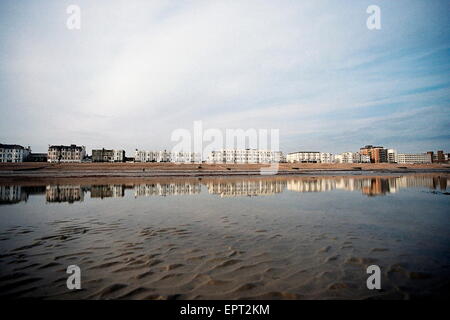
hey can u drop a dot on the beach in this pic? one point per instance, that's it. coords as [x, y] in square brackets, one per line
[39, 170]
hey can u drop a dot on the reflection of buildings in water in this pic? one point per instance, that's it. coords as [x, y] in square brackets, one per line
[12, 194]
[377, 187]
[166, 189]
[368, 186]
[311, 185]
[107, 191]
[246, 188]
[64, 193]
[442, 182]
[423, 181]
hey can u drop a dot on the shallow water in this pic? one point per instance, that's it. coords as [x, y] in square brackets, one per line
[293, 237]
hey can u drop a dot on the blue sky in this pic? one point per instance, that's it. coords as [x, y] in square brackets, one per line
[137, 70]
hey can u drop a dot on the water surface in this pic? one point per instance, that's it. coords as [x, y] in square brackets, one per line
[293, 237]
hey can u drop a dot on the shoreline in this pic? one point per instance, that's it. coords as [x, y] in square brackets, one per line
[138, 170]
[133, 180]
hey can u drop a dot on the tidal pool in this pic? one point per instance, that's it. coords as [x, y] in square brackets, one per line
[276, 237]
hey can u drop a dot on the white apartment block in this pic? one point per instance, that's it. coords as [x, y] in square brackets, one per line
[66, 154]
[13, 153]
[166, 156]
[304, 157]
[351, 157]
[413, 158]
[392, 155]
[118, 155]
[245, 156]
[326, 157]
[185, 157]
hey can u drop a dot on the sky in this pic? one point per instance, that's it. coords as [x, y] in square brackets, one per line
[138, 70]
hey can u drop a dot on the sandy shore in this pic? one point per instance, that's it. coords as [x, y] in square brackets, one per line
[172, 169]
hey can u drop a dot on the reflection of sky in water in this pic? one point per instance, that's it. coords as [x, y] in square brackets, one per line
[328, 226]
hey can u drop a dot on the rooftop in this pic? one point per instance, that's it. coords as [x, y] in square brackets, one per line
[10, 146]
[72, 146]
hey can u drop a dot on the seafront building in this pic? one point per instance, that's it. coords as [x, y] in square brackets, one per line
[185, 157]
[377, 154]
[391, 156]
[304, 157]
[243, 156]
[166, 156]
[104, 155]
[351, 157]
[13, 153]
[439, 157]
[37, 157]
[404, 158]
[326, 157]
[66, 154]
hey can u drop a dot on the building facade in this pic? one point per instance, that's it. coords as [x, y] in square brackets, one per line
[185, 157]
[245, 156]
[439, 157]
[391, 156]
[351, 157]
[13, 153]
[414, 158]
[376, 154]
[326, 157]
[166, 156]
[37, 157]
[104, 155]
[66, 154]
[304, 157]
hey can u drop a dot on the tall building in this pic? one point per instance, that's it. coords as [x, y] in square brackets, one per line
[72, 153]
[376, 154]
[392, 156]
[104, 155]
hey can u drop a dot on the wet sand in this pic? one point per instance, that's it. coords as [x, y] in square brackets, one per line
[38, 170]
[201, 246]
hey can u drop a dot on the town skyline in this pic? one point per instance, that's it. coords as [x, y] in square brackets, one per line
[232, 154]
[169, 149]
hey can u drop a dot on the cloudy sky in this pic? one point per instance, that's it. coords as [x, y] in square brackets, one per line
[137, 70]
